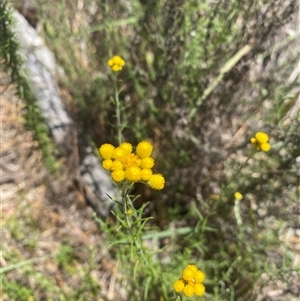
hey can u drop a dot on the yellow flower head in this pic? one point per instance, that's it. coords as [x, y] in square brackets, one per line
[260, 141]
[146, 174]
[147, 162]
[188, 290]
[144, 149]
[116, 63]
[188, 272]
[157, 181]
[133, 174]
[118, 154]
[107, 164]
[117, 165]
[199, 289]
[179, 285]
[118, 175]
[106, 151]
[131, 160]
[199, 276]
[238, 196]
[261, 137]
[127, 147]
[265, 147]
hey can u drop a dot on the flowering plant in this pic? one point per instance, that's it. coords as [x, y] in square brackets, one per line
[129, 165]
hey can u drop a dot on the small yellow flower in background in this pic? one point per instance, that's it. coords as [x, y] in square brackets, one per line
[260, 141]
[238, 196]
[125, 165]
[191, 282]
[116, 63]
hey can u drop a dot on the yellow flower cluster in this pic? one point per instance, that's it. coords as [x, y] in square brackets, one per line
[191, 282]
[125, 165]
[238, 196]
[260, 141]
[116, 63]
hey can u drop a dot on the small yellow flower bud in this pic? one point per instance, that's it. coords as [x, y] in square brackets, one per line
[188, 273]
[178, 286]
[261, 137]
[192, 267]
[107, 164]
[131, 160]
[265, 147]
[188, 290]
[118, 175]
[116, 68]
[147, 162]
[157, 181]
[106, 151]
[146, 174]
[117, 165]
[133, 174]
[127, 147]
[144, 149]
[199, 276]
[118, 154]
[199, 289]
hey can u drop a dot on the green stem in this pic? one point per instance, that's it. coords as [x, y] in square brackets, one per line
[131, 221]
[118, 110]
[237, 212]
[130, 225]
